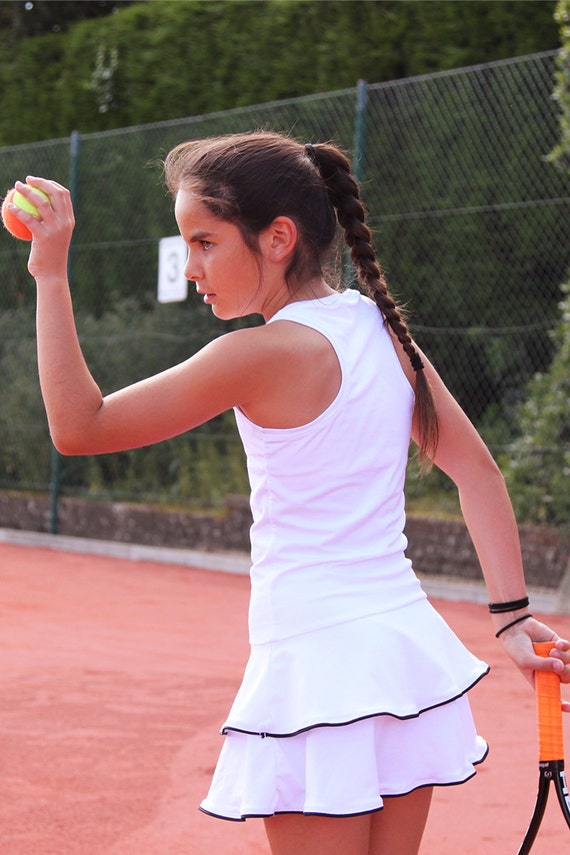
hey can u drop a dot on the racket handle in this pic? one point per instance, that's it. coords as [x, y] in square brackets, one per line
[549, 710]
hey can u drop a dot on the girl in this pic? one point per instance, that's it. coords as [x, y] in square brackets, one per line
[353, 703]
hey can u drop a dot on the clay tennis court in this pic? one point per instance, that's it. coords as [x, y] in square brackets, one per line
[115, 675]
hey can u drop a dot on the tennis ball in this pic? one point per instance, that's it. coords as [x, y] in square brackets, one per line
[12, 223]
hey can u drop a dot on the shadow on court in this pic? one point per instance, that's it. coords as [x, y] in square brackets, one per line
[115, 677]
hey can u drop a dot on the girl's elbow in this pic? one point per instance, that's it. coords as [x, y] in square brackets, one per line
[68, 443]
[495, 474]
[482, 471]
[65, 448]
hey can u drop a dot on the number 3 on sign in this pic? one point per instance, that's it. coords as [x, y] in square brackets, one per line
[172, 284]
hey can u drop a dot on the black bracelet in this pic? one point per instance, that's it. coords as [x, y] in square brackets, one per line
[512, 623]
[512, 606]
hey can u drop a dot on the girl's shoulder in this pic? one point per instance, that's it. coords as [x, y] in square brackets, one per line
[293, 372]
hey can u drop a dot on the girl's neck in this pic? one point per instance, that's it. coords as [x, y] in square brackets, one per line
[277, 299]
[314, 289]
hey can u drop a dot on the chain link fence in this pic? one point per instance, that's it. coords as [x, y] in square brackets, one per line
[471, 222]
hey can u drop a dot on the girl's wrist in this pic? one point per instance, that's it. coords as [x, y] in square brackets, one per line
[508, 614]
[52, 280]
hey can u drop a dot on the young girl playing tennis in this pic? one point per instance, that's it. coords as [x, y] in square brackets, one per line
[354, 697]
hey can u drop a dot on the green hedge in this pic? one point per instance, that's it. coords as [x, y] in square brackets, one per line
[158, 60]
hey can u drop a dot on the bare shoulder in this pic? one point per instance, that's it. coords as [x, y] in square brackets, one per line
[293, 372]
[272, 341]
[257, 359]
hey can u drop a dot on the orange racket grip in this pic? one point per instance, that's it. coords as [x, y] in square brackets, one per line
[549, 710]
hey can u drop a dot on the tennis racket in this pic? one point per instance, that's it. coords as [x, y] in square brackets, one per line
[551, 747]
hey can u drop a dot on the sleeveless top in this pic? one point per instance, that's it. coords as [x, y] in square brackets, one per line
[327, 497]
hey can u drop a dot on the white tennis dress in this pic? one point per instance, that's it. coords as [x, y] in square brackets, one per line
[355, 689]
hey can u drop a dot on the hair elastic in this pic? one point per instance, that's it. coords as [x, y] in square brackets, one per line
[416, 361]
[311, 153]
[512, 606]
[512, 623]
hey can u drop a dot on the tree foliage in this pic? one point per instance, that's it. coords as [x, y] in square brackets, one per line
[151, 61]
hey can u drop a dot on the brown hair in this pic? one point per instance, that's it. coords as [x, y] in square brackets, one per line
[250, 179]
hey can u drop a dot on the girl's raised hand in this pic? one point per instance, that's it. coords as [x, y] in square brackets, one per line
[51, 234]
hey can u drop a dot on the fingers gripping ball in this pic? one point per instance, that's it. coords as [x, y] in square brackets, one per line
[11, 222]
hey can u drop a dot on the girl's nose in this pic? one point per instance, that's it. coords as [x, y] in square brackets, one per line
[191, 269]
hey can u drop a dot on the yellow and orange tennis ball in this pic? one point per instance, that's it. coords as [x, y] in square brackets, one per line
[11, 222]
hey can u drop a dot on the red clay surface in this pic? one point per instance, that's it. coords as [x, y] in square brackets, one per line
[115, 676]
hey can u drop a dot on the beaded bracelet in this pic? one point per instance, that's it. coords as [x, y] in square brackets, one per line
[512, 606]
[512, 623]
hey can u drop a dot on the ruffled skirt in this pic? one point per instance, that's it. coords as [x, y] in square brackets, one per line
[332, 721]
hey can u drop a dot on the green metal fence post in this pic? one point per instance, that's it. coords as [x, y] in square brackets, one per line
[359, 128]
[55, 474]
[357, 159]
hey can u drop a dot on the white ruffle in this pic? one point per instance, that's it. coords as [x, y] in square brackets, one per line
[400, 663]
[347, 770]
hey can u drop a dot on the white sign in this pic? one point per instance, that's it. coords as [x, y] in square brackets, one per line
[172, 284]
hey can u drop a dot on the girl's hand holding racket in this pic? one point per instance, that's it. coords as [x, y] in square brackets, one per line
[518, 642]
[51, 233]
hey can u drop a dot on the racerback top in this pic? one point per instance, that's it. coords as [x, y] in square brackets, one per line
[327, 497]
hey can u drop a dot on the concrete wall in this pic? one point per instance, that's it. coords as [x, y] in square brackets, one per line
[437, 547]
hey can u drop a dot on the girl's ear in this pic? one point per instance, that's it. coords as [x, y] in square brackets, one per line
[278, 240]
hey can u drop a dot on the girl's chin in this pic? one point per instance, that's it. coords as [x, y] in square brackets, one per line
[224, 316]
[228, 315]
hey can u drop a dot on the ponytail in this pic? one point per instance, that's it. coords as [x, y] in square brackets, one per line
[344, 194]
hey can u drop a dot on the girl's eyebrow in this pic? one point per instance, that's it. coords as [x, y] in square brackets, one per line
[198, 236]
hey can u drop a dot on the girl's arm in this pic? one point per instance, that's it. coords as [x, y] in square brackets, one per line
[81, 420]
[491, 522]
[280, 374]
[66, 383]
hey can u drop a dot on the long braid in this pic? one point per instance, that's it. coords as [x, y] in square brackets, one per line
[344, 194]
